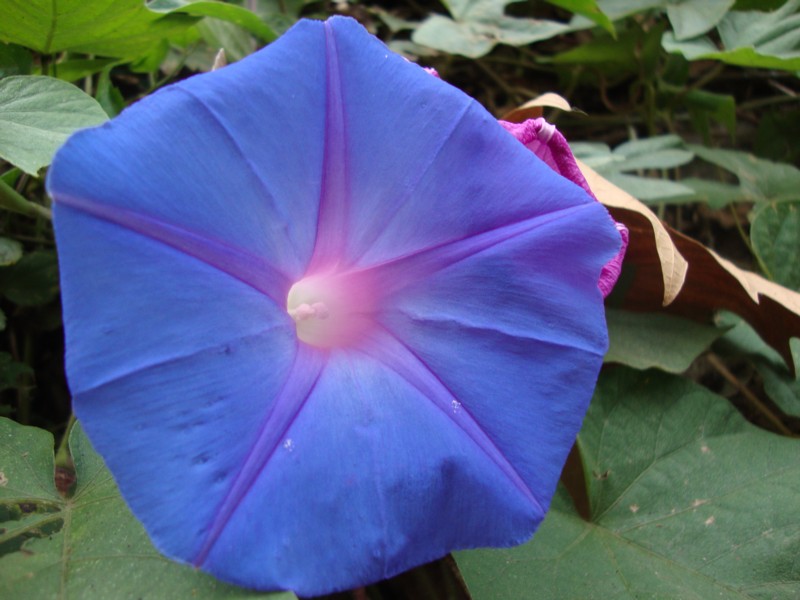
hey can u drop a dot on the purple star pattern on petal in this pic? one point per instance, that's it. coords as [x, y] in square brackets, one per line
[326, 320]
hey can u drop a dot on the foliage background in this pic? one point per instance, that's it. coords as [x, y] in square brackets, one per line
[684, 480]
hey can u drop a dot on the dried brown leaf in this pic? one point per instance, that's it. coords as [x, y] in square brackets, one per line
[672, 270]
[650, 244]
[533, 109]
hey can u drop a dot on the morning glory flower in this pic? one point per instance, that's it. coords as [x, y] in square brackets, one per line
[326, 320]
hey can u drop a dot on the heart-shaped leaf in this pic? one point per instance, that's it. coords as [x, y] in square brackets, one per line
[671, 469]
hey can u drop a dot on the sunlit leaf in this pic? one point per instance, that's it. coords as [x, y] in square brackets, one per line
[690, 18]
[588, 9]
[120, 28]
[37, 115]
[687, 499]
[236, 42]
[478, 25]
[85, 546]
[749, 38]
[618, 9]
[218, 10]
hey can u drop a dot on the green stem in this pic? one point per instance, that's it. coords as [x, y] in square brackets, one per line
[11, 200]
[762, 102]
[748, 243]
[62, 454]
[26, 384]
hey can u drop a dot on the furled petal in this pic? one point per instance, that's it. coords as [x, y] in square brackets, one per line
[325, 319]
[544, 140]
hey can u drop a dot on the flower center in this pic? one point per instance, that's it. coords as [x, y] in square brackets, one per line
[327, 310]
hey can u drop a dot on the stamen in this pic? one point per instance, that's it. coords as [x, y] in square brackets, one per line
[329, 310]
[307, 311]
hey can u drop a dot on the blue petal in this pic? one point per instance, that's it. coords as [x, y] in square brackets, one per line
[371, 479]
[245, 174]
[174, 368]
[516, 332]
[425, 164]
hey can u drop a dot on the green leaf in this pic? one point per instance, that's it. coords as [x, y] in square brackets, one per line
[588, 9]
[766, 40]
[777, 135]
[14, 60]
[619, 9]
[120, 28]
[703, 105]
[644, 340]
[758, 4]
[236, 42]
[33, 280]
[714, 193]
[779, 384]
[108, 96]
[10, 372]
[10, 251]
[775, 233]
[79, 68]
[478, 25]
[37, 115]
[741, 338]
[688, 501]
[85, 546]
[690, 18]
[226, 12]
[651, 190]
[760, 179]
[605, 51]
[659, 152]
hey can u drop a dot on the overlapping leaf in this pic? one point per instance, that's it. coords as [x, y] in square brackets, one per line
[631, 339]
[748, 38]
[688, 501]
[478, 25]
[120, 28]
[782, 387]
[37, 115]
[85, 546]
[621, 165]
[218, 10]
[665, 267]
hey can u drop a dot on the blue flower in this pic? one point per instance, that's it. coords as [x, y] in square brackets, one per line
[326, 319]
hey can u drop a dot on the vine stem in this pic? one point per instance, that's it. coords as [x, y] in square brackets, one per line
[12, 200]
[749, 243]
[751, 397]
